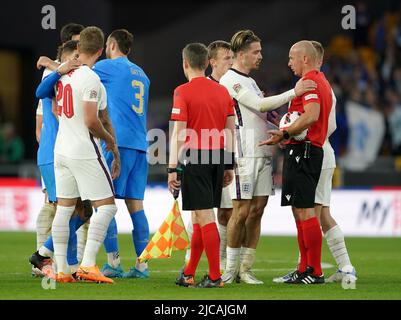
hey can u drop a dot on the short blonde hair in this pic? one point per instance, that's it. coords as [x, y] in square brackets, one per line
[91, 40]
[319, 49]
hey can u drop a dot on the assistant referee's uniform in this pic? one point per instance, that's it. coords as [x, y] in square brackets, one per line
[204, 105]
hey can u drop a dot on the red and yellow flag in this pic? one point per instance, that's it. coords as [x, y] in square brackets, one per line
[171, 236]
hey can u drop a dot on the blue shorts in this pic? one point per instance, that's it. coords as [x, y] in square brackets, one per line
[47, 173]
[133, 177]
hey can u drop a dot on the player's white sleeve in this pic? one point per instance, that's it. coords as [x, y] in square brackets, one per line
[332, 126]
[39, 109]
[251, 100]
[92, 89]
[103, 97]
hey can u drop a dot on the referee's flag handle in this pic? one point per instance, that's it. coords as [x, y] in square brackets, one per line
[176, 192]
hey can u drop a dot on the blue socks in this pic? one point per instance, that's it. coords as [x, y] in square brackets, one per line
[75, 223]
[140, 233]
[110, 242]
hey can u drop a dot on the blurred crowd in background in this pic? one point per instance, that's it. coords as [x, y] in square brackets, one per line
[365, 69]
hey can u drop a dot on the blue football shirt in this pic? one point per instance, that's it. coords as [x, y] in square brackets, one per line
[48, 134]
[127, 88]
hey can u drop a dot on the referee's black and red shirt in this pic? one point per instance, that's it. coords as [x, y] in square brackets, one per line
[204, 105]
[322, 95]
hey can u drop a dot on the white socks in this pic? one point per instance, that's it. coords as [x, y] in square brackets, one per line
[100, 221]
[336, 243]
[190, 231]
[141, 266]
[82, 235]
[44, 252]
[223, 245]
[113, 259]
[60, 233]
[232, 259]
[44, 223]
[247, 258]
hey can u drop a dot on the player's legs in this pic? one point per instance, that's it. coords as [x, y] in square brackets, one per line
[140, 237]
[235, 230]
[67, 196]
[263, 187]
[82, 235]
[92, 181]
[223, 216]
[252, 235]
[113, 268]
[61, 232]
[134, 195]
[332, 232]
[80, 216]
[48, 210]
[336, 243]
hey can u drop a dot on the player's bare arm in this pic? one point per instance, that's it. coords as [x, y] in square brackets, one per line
[94, 125]
[177, 141]
[106, 122]
[310, 116]
[38, 129]
[229, 136]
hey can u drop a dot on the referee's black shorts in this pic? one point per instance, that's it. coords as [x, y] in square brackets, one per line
[301, 174]
[202, 184]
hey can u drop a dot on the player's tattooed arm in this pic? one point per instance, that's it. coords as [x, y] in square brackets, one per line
[106, 122]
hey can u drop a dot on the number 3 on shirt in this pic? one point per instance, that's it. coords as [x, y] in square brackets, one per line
[138, 96]
[65, 94]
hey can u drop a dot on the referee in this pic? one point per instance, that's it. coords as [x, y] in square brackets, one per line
[204, 122]
[303, 160]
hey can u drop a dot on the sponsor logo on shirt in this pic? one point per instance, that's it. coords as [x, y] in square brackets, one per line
[176, 111]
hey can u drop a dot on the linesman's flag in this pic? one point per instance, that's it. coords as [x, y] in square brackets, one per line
[170, 237]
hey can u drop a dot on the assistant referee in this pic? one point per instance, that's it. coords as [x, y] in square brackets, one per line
[204, 122]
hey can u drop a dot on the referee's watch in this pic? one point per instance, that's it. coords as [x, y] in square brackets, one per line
[286, 135]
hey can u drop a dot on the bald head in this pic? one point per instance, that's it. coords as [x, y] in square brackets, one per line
[305, 48]
[303, 57]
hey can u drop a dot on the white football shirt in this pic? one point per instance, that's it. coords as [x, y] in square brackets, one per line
[329, 159]
[251, 125]
[73, 138]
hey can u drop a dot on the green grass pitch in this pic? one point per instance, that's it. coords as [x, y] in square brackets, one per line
[378, 262]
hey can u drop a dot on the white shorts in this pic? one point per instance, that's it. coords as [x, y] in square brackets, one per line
[226, 202]
[323, 189]
[89, 179]
[253, 178]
